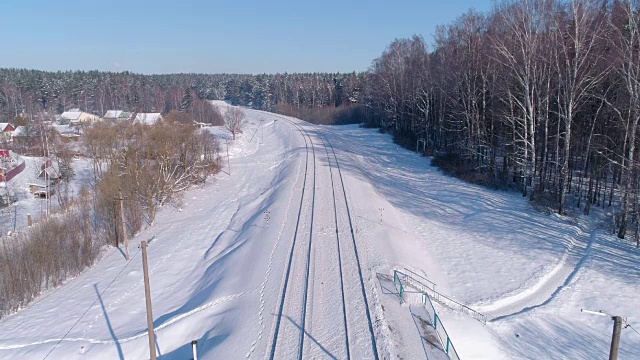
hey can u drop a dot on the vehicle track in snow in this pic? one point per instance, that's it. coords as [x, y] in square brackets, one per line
[547, 288]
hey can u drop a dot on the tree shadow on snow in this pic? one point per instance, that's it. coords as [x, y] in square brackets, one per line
[476, 215]
[561, 341]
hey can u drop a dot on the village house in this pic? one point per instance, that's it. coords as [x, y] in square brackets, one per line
[148, 118]
[25, 137]
[50, 173]
[77, 117]
[10, 165]
[6, 129]
[116, 115]
[20, 131]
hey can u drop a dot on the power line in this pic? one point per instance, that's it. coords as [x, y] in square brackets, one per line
[90, 306]
[629, 326]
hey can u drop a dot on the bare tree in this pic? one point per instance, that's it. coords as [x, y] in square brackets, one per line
[581, 26]
[234, 120]
[625, 41]
[521, 58]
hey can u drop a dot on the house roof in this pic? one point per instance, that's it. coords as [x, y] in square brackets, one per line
[71, 115]
[51, 172]
[19, 131]
[3, 126]
[147, 118]
[116, 114]
[112, 114]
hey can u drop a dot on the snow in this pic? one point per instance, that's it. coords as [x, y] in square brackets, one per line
[70, 115]
[491, 251]
[64, 129]
[14, 217]
[19, 131]
[219, 264]
[147, 118]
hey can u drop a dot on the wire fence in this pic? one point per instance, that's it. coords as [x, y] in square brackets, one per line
[421, 296]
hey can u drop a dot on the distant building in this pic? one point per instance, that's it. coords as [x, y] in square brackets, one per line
[77, 117]
[147, 118]
[50, 173]
[10, 165]
[20, 131]
[24, 136]
[27, 141]
[6, 129]
[116, 115]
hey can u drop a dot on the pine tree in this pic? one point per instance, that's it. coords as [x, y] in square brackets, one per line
[187, 99]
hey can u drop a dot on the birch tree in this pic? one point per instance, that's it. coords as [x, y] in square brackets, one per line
[580, 29]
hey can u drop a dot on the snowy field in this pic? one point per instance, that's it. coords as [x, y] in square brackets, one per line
[272, 258]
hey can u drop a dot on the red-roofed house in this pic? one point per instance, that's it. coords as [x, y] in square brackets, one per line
[6, 129]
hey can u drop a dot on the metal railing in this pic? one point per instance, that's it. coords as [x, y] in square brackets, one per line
[422, 297]
[429, 284]
[438, 297]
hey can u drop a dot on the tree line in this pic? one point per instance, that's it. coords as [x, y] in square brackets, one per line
[32, 91]
[544, 94]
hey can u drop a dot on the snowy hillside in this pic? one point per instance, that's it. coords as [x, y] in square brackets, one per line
[287, 253]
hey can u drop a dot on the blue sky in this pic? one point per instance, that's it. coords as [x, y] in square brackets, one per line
[210, 36]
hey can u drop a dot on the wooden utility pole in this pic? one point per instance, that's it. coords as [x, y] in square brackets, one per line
[147, 295]
[115, 226]
[228, 162]
[617, 328]
[615, 338]
[124, 225]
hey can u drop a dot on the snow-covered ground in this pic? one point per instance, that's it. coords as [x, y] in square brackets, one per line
[263, 262]
[14, 217]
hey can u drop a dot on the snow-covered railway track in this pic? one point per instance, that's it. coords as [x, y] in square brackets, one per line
[296, 260]
[323, 309]
[350, 265]
[323, 285]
